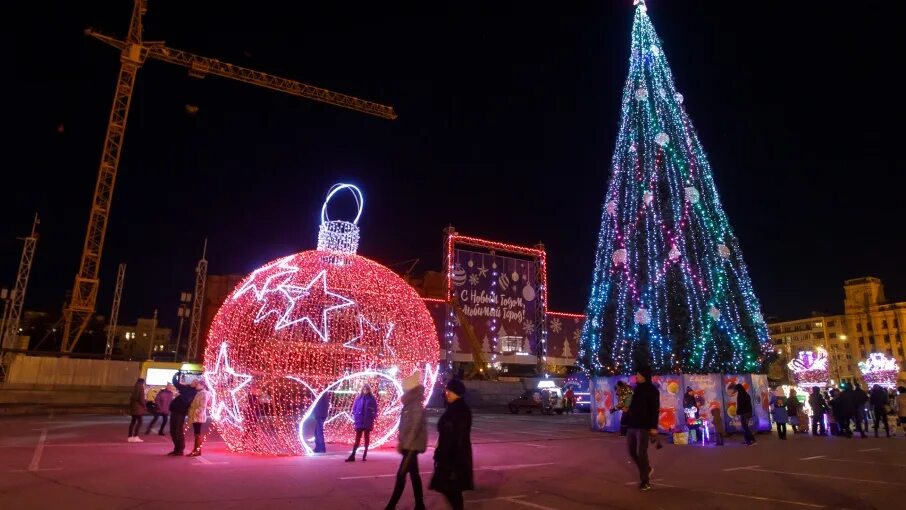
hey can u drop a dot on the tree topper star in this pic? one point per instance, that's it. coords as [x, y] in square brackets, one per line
[315, 297]
[223, 375]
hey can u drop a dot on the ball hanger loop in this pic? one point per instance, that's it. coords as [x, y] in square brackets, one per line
[356, 193]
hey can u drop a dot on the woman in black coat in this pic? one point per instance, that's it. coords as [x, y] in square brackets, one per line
[453, 454]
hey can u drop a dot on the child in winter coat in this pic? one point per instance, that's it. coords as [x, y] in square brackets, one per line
[718, 420]
[780, 414]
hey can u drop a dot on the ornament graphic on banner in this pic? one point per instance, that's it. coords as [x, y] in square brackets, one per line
[459, 276]
[528, 293]
[880, 369]
[316, 325]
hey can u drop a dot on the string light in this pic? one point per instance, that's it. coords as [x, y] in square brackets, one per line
[880, 369]
[317, 324]
[665, 243]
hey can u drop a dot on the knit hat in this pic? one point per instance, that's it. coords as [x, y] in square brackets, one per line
[456, 386]
[412, 381]
[645, 372]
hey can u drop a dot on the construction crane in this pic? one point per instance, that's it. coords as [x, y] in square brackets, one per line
[201, 278]
[9, 332]
[133, 53]
[115, 309]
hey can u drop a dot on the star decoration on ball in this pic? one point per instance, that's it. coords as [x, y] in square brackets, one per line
[324, 301]
[223, 375]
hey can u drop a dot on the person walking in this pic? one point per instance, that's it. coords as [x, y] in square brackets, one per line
[161, 409]
[320, 413]
[364, 411]
[901, 407]
[880, 408]
[641, 423]
[819, 409]
[860, 399]
[780, 413]
[179, 409]
[413, 440]
[198, 413]
[793, 409]
[744, 410]
[453, 453]
[137, 409]
[718, 420]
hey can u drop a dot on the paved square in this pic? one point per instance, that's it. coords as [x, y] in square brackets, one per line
[525, 461]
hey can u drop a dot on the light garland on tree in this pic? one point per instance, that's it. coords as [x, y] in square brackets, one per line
[880, 369]
[317, 324]
[810, 368]
[665, 242]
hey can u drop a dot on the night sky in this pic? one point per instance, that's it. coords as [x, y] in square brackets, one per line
[508, 117]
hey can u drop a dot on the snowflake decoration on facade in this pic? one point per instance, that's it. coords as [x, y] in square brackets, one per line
[473, 279]
[556, 325]
[528, 327]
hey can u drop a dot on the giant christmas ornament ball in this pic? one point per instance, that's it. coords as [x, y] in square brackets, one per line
[315, 325]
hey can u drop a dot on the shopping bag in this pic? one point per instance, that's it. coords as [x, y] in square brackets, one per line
[680, 438]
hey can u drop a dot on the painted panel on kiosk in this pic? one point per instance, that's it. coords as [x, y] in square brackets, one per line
[671, 412]
[761, 398]
[602, 401]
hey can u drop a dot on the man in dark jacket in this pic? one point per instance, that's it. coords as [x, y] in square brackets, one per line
[179, 408]
[847, 407]
[819, 408]
[320, 412]
[744, 410]
[879, 408]
[641, 423]
[453, 454]
[860, 399]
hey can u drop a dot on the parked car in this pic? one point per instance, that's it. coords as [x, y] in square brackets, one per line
[545, 401]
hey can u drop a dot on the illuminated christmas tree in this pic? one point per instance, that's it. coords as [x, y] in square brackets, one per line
[670, 288]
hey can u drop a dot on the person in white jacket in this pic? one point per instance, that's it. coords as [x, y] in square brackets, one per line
[198, 412]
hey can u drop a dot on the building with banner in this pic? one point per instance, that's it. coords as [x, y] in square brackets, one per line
[490, 308]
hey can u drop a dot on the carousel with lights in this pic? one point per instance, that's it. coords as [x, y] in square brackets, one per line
[316, 325]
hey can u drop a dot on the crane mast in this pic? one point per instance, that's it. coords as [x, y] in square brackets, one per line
[133, 53]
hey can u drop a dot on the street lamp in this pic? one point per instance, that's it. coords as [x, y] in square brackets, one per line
[184, 312]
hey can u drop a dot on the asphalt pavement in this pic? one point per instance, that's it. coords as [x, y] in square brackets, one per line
[521, 462]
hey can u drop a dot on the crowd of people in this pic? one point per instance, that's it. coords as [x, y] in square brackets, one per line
[178, 402]
[181, 403]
